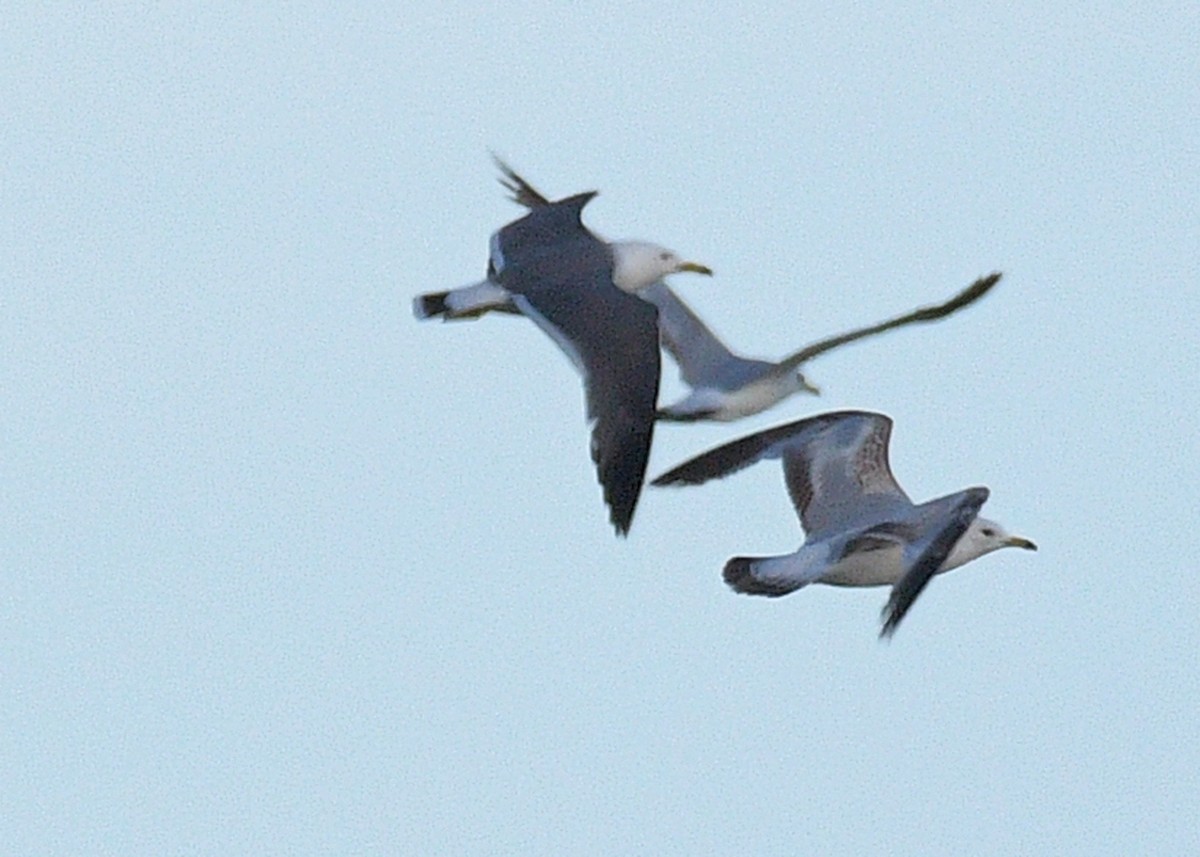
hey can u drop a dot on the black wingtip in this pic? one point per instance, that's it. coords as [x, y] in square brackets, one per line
[892, 613]
[621, 472]
[681, 475]
[982, 286]
[621, 494]
[622, 497]
[579, 200]
[520, 191]
[965, 298]
[620, 514]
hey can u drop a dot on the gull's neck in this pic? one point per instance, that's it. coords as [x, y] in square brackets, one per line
[635, 265]
[964, 550]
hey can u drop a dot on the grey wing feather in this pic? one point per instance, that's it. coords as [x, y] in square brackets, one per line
[843, 475]
[776, 442]
[927, 555]
[704, 361]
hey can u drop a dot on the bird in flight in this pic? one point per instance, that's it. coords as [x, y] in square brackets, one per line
[861, 529]
[724, 386]
[581, 291]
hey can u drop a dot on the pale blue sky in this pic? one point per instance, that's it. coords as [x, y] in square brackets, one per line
[286, 572]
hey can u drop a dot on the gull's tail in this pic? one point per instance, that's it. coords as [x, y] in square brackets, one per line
[468, 302]
[750, 575]
[431, 305]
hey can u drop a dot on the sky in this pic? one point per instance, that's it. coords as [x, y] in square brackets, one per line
[285, 571]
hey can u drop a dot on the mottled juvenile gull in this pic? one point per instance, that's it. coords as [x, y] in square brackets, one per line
[724, 386]
[861, 529]
[579, 290]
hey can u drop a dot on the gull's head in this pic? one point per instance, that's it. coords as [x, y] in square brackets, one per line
[983, 537]
[638, 264]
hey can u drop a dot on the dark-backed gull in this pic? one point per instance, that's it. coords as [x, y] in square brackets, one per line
[580, 291]
[724, 386]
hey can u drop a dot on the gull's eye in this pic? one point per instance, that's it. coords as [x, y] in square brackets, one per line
[664, 256]
[989, 532]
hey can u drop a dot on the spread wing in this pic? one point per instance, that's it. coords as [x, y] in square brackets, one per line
[925, 555]
[967, 296]
[612, 339]
[835, 466]
[739, 454]
[540, 230]
[703, 359]
[843, 475]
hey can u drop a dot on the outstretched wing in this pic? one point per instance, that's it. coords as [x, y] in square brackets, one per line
[542, 229]
[703, 359]
[842, 475]
[739, 454]
[835, 466]
[967, 296]
[612, 338]
[925, 555]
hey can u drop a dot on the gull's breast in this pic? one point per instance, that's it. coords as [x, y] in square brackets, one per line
[751, 399]
[878, 566]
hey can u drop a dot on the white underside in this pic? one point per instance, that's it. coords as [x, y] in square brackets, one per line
[723, 406]
[810, 564]
[882, 567]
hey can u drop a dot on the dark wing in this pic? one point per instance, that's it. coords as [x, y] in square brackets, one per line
[930, 313]
[612, 337]
[704, 361]
[736, 455]
[523, 193]
[926, 555]
[542, 229]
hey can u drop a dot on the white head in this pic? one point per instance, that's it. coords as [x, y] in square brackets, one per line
[638, 264]
[983, 537]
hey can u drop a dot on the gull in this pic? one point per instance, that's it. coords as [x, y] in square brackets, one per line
[861, 529]
[724, 386]
[637, 264]
[580, 291]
